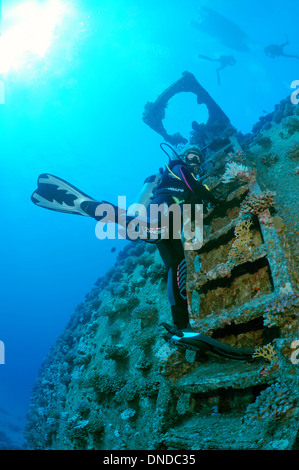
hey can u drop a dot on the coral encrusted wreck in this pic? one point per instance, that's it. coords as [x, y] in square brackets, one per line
[112, 382]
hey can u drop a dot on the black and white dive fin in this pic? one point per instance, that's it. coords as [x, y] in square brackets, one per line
[56, 194]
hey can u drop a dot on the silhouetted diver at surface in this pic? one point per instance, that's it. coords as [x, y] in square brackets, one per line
[276, 50]
[224, 60]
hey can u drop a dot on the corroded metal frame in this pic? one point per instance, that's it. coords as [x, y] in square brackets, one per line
[217, 126]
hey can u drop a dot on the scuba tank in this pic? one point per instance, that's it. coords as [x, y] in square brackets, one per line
[151, 182]
[147, 191]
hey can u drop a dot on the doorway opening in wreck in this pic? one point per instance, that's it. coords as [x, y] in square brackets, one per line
[182, 109]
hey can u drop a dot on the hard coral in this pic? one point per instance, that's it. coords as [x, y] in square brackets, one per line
[156, 271]
[273, 403]
[146, 313]
[103, 384]
[293, 152]
[221, 270]
[269, 159]
[82, 408]
[292, 125]
[116, 352]
[126, 304]
[257, 203]
[238, 171]
[236, 157]
[264, 142]
[277, 310]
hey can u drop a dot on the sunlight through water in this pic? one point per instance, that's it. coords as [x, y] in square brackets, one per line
[28, 30]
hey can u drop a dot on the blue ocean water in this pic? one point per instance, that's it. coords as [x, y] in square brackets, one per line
[75, 109]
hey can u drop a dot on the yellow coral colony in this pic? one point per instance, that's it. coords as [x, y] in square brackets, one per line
[266, 352]
[241, 246]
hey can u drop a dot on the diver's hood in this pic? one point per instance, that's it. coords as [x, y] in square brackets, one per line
[179, 158]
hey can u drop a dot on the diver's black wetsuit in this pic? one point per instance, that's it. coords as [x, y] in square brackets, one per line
[178, 185]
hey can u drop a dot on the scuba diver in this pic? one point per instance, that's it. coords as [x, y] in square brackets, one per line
[275, 50]
[177, 184]
[224, 60]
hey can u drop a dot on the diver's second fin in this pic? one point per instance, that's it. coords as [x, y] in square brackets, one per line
[58, 195]
[189, 339]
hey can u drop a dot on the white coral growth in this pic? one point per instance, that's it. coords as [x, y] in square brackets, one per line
[237, 171]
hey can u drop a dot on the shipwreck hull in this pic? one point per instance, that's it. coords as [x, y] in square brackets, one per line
[111, 382]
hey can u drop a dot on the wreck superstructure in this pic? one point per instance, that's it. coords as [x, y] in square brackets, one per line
[111, 382]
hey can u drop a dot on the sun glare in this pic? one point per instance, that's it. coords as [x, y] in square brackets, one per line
[28, 29]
